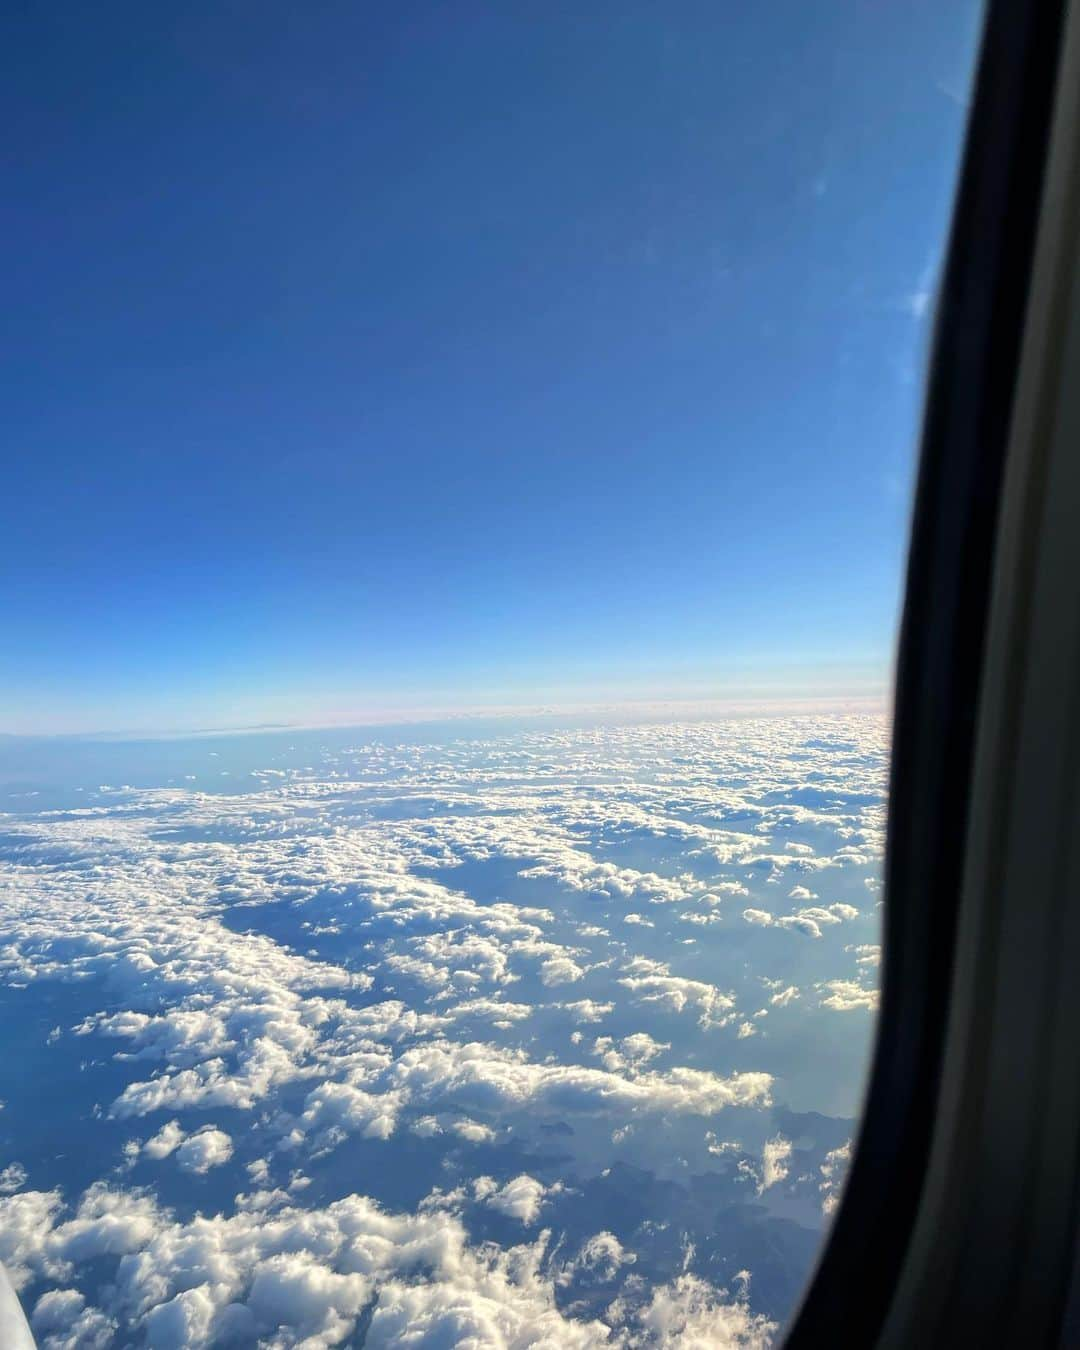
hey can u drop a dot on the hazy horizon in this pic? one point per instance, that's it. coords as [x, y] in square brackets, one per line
[611, 712]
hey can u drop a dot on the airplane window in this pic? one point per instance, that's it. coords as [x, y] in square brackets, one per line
[452, 535]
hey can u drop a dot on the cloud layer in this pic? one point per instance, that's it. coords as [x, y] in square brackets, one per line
[500, 966]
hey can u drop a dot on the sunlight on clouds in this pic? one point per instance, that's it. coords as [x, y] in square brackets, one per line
[454, 976]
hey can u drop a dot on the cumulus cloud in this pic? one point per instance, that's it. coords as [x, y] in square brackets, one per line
[690, 1312]
[630, 1052]
[106, 1223]
[472, 1131]
[493, 1079]
[810, 920]
[578, 872]
[560, 970]
[598, 1261]
[62, 1321]
[303, 1277]
[833, 1171]
[651, 984]
[206, 1148]
[588, 1010]
[167, 1140]
[847, 996]
[12, 1178]
[434, 912]
[775, 1157]
[521, 1198]
[333, 1110]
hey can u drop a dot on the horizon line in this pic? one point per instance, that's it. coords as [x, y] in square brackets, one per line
[637, 709]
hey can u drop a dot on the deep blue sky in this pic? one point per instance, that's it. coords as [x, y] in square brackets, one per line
[362, 357]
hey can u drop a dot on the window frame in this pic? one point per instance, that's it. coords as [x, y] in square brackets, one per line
[949, 602]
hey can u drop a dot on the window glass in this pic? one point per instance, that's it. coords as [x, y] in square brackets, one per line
[452, 540]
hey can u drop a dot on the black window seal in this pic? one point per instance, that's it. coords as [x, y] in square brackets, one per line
[970, 395]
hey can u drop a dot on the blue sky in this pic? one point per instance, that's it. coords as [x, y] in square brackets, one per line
[364, 358]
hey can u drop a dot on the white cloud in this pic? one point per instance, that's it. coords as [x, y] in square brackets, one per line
[652, 985]
[588, 1010]
[297, 1290]
[302, 1277]
[833, 1171]
[333, 1110]
[690, 1312]
[599, 1260]
[560, 970]
[62, 1321]
[721, 1147]
[445, 1018]
[775, 1159]
[521, 1198]
[631, 1052]
[801, 923]
[208, 1147]
[12, 1178]
[489, 1078]
[577, 871]
[848, 996]
[106, 1223]
[809, 920]
[473, 1131]
[167, 1140]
